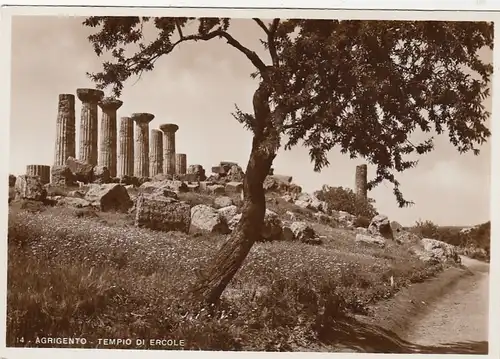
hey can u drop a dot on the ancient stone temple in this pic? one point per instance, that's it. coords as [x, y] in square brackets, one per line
[180, 163]
[107, 138]
[89, 124]
[361, 182]
[156, 153]
[65, 129]
[169, 130]
[141, 151]
[39, 170]
[126, 147]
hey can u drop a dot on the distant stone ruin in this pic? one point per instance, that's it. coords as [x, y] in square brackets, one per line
[361, 182]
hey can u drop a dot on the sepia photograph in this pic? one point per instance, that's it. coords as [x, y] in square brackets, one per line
[265, 181]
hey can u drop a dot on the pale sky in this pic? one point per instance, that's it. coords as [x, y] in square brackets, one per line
[196, 87]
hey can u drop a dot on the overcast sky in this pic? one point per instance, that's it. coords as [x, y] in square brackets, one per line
[196, 87]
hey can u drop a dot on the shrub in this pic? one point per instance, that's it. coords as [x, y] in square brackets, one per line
[476, 238]
[344, 199]
[426, 229]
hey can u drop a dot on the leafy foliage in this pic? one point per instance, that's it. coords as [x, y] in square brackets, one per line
[477, 237]
[344, 199]
[426, 229]
[361, 86]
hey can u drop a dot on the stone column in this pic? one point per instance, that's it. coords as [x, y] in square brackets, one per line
[361, 182]
[65, 129]
[126, 148]
[156, 153]
[107, 143]
[180, 163]
[141, 162]
[88, 124]
[169, 130]
[39, 170]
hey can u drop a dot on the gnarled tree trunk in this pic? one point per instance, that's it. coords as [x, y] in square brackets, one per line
[232, 254]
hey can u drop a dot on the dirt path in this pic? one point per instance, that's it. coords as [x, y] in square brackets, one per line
[460, 316]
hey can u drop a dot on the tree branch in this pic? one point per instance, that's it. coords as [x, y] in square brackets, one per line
[271, 44]
[181, 36]
[262, 25]
[251, 55]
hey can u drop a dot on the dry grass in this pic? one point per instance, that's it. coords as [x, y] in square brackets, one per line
[100, 277]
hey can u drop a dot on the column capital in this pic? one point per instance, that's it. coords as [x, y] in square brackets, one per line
[142, 117]
[169, 127]
[66, 96]
[89, 95]
[110, 104]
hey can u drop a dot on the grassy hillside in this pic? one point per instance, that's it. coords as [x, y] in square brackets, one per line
[93, 274]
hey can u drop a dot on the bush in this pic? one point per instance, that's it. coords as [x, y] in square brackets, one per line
[476, 238]
[426, 229]
[344, 199]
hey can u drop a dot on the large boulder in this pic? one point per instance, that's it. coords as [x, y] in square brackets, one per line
[73, 202]
[102, 175]
[30, 188]
[272, 229]
[176, 186]
[381, 226]
[441, 251]
[12, 180]
[216, 189]
[109, 197]
[61, 176]
[195, 173]
[160, 213]
[304, 233]
[370, 239]
[129, 181]
[223, 201]
[234, 187]
[306, 200]
[227, 213]
[344, 219]
[82, 171]
[208, 219]
[236, 174]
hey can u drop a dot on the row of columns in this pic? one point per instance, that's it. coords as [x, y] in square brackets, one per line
[147, 156]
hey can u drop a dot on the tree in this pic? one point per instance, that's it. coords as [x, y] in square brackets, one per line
[360, 86]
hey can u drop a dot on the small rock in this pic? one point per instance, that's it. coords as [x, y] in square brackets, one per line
[376, 240]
